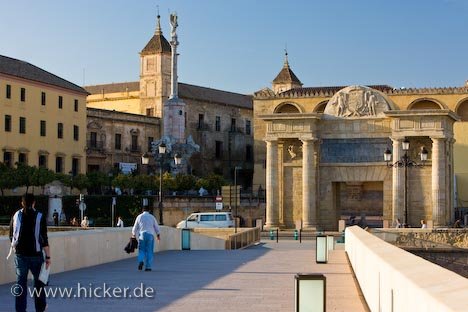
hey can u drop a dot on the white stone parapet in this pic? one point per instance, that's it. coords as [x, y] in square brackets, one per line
[392, 279]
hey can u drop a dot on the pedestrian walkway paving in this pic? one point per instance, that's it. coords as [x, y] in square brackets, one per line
[259, 278]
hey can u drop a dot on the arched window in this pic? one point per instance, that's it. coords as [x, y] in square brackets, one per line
[462, 110]
[320, 108]
[424, 104]
[287, 109]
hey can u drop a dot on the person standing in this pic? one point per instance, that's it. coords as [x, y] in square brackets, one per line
[55, 216]
[120, 222]
[145, 227]
[28, 235]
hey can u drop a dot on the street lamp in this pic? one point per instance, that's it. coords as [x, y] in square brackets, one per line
[405, 162]
[145, 161]
[236, 168]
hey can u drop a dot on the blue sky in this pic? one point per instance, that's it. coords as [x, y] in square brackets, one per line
[239, 45]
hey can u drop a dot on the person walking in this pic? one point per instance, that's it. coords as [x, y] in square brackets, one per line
[28, 235]
[145, 227]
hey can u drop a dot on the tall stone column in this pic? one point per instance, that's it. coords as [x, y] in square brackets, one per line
[272, 213]
[438, 181]
[398, 183]
[309, 188]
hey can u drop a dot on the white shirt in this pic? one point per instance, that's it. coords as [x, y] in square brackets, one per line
[145, 222]
[120, 223]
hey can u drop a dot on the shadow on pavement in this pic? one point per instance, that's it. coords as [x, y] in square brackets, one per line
[175, 274]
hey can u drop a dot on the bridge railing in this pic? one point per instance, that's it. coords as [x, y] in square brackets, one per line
[392, 279]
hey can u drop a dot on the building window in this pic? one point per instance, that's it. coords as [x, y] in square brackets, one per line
[58, 164]
[118, 141]
[218, 123]
[150, 112]
[134, 146]
[42, 161]
[150, 140]
[76, 105]
[22, 125]
[201, 118]
[75, 166]
[248, 153]
[8, 123]
[43, 98]
[8, 158]
[60, 130]
[60, 102]
[22, 159]
[93, 139]
[43, 128]
[248, 127]
[233, 124]
[219, 150]
[23, 94]
[8, 91]
[76, 133]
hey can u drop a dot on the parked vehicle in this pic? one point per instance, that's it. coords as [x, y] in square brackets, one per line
[207, 220]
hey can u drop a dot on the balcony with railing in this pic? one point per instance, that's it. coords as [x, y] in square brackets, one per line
[95, 145]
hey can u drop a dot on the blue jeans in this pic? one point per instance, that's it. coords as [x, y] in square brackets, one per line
[145, 249]
[23, 265]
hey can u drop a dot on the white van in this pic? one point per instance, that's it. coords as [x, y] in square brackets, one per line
[207, 220]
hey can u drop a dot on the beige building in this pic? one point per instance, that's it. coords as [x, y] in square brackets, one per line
[117, 140]
[44, 118]
[220, 122]
[319, 152]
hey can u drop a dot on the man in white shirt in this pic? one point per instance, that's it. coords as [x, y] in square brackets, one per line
[145, 228]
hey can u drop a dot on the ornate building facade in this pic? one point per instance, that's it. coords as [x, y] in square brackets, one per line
[117, 140]
[220, 122]
[320, 152]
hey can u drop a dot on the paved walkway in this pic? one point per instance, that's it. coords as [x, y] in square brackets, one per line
[260, 278]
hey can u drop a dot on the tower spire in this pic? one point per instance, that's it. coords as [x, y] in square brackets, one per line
[286, 63]
[158, 24]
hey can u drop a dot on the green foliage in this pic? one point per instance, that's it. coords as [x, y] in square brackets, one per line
[99, 208]
[6, 177]
[211, 182]
[10, 204]
[80, 181]
[23, 175]
[97, 180]
[123, 181]
[184, 182]
[42, 176]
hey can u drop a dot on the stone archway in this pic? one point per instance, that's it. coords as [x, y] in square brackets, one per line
[425, 104]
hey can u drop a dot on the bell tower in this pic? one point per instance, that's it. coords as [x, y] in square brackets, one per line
[155, 73]
[286, 79]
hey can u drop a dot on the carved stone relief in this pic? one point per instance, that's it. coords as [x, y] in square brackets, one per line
[357, 101]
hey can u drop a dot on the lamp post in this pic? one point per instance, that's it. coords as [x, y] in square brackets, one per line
[145, 161]
[236, 168]
[405, 162]
[162, 153]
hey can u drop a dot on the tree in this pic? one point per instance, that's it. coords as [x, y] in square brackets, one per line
[6, 178]
[211, 182]
[23, 175]
[97, 180]
[80, 181]
[184, 182]
[42, 176]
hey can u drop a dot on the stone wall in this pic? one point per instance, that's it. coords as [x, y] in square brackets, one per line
[177, 209]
